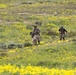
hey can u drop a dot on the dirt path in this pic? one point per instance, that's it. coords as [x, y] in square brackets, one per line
[43, 14]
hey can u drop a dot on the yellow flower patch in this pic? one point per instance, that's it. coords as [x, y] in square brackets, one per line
[35, 70]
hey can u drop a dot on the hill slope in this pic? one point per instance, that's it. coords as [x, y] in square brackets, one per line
[16, 21]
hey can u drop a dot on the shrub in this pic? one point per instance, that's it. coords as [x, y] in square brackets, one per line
[3, 45]
[27, 44]
[20, 46]
[12, 46]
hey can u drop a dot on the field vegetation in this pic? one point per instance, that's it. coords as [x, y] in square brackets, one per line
[52, 57]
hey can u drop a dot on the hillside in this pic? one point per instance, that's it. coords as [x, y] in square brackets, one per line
[52, 57]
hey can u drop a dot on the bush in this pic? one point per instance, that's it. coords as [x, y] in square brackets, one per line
[3, 45]
[12, 46]
[27, 44]
[20, 46]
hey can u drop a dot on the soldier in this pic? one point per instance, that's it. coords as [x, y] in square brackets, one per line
[36, 35]
[62, 33]
[36, 30]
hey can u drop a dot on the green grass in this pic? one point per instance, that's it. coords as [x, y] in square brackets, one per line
[52, 55]
[16, 22]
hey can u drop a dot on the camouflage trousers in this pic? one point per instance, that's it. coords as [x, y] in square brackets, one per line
[36, 39]
[62, 36]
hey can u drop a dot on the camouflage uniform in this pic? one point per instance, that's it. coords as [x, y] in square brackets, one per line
[36, 35]
[62, 33]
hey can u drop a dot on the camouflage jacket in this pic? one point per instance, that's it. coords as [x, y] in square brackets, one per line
[62, 30]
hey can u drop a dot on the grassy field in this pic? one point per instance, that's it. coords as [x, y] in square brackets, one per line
[52, 56]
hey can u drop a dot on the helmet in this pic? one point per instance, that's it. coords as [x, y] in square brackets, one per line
[61, 26]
